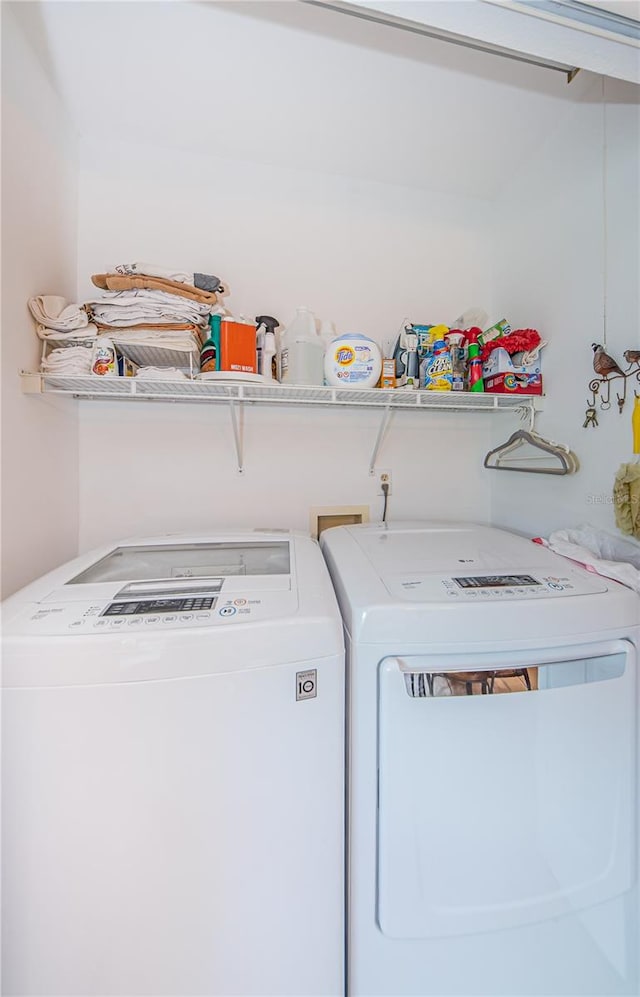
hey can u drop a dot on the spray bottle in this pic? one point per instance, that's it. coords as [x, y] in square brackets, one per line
[455, 340]
[266, 344]
[475, 382]
[413, 367]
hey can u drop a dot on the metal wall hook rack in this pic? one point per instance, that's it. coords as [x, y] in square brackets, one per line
[600, 386]
[237, 394]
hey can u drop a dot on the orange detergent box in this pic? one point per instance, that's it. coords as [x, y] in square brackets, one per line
[238, 347]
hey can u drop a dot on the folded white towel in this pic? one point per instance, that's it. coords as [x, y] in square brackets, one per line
[87, 331]
[126, 308]
[55, 312]
[174, 339]
[68, 360]
[161, 374]
[206, 282]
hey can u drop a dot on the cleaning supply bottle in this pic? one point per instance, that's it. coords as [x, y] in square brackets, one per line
[103, 359]
[474, 375]
[455, 340]
[353, 361]
[437, 370]
[210, 352]
[301, 356]
[266, 326]
[412, 377]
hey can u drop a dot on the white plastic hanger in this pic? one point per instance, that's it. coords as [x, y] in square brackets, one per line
[543, 456]
[557, 458]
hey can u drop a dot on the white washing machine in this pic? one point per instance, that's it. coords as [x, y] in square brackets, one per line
[172, 772]
[493, 780]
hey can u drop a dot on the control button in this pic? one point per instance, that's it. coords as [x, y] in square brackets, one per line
[117, 623]
[134, 623]
[239, 602]
[228, 611]
[553, 585]
[100, 623]
[152, 619]
[169, 619]
[76, 623]
[186, 616]
[203, 616]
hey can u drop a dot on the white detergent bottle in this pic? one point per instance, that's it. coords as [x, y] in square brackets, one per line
[301, 354]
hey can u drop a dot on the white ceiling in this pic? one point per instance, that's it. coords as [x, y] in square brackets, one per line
[291, 84]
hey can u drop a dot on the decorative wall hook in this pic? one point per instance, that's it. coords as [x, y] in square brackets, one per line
[609, 370]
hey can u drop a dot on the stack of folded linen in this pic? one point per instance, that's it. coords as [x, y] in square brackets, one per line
[57, 319]
[68, 360]
[156, 316]
[160, 374]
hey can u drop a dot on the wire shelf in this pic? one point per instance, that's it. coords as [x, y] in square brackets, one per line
[186, 390]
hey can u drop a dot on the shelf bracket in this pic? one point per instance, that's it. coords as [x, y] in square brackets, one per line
[237, 421]
[384, 425]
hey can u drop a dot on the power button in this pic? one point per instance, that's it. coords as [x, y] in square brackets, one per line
[228, 611]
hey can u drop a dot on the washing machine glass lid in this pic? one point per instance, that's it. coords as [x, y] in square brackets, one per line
[169, 562]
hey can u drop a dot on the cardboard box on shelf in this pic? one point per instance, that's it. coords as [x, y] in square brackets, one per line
[502, 377]
[238, 347]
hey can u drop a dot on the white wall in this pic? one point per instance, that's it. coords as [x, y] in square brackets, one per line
[364, 255]
[549, 274]
[390, 134]
[39, 435]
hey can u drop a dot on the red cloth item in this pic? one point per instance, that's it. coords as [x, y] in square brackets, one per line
[521, 339]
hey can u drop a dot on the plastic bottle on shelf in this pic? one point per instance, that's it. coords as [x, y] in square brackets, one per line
[352, 361]
[266, 326]
[210, 352]
[301, 354]
[475, 382]
[103, 360]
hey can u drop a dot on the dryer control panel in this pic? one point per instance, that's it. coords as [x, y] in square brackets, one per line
[469, 588]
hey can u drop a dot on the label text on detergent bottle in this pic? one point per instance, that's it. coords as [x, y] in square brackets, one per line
[345, 356]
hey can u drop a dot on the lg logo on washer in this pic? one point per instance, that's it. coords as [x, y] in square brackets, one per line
[307, 684]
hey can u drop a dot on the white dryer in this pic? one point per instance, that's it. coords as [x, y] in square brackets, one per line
[493, 759]
[172, 772]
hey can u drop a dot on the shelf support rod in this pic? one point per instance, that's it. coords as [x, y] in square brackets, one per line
[237, 421]
[384, 423]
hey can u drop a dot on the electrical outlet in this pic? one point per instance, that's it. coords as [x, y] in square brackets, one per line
[384, 478]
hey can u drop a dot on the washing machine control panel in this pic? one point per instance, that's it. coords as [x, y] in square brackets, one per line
[160, 614]
[177, 605]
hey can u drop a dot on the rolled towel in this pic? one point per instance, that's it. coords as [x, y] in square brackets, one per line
[205, 281]
[55, 312]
